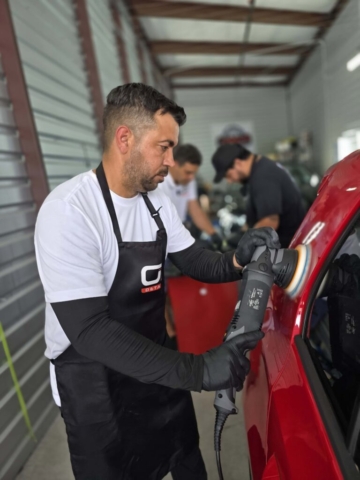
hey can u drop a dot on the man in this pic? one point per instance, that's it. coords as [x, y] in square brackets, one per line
[180, 186]
[101, 241]
[274, 199]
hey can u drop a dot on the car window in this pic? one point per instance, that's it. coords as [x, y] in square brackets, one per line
[333, 332]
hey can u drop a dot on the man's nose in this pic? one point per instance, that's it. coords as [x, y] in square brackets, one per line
[169, 159]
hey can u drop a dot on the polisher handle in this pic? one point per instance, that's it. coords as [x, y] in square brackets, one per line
[249, 312]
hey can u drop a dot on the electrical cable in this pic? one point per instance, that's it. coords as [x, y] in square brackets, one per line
[220, 420]
[218, 463]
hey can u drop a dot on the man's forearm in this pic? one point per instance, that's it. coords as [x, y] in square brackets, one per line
[272, 221]
[95, 335]
[205, 265]
[200, 218]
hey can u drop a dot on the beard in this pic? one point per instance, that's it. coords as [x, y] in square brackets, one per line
[138, 174]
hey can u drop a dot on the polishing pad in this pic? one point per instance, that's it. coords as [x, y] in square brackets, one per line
[300, 272]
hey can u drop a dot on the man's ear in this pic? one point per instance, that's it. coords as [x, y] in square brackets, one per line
[123, 138]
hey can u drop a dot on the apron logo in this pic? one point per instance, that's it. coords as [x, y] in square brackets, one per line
[151, 285]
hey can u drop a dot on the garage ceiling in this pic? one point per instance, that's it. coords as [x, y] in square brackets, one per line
[222, 43]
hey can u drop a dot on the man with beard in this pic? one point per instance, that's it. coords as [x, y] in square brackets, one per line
[101, 241]
[274, 199]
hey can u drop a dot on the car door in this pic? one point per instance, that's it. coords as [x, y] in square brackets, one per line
[293, 429]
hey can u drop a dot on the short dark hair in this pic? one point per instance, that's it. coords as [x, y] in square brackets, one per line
[187, 153]
[134, 105]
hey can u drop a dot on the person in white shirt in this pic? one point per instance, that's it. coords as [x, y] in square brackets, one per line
[180, 185]
[101, 240]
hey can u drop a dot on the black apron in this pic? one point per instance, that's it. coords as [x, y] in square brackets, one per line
[119, 428]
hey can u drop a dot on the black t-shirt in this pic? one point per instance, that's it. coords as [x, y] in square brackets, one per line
[273, 192]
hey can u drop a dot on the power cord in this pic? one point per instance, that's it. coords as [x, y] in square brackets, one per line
[220, 419]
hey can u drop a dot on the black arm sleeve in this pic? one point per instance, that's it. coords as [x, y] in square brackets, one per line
[93, 334]
[206, 266]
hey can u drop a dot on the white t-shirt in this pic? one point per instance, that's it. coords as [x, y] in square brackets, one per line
[76, 248]
[180, 195]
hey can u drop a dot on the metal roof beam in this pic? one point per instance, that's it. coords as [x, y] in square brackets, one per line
[227, 13]
[225, 48]
[192, 86]
[178, 72]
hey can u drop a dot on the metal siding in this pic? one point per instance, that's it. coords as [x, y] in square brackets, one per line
[148, 67]
[325, 96]
[264, 107]
[58, 86]
[103, 34]
[24, 448]
[57, 83]
[21, 305]
[307, 104]
[129, 40]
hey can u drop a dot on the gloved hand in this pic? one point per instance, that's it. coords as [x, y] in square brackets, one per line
[252, 239]
[226, 366]
[216, 241]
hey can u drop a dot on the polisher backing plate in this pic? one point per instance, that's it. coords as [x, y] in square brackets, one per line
[301, 270]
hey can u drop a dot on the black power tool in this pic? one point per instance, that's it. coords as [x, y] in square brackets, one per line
[286, 268]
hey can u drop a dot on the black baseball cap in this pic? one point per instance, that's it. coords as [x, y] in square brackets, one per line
[223, 159]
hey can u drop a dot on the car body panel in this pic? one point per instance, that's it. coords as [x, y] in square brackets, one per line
[285, 429]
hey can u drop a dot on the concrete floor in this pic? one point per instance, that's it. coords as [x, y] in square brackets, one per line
[51, 458]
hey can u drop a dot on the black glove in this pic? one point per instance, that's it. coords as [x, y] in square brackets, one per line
[216, 241]
[226, 366]
[252, 239]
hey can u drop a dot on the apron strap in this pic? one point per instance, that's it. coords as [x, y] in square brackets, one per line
[154, 213]
[108, 200]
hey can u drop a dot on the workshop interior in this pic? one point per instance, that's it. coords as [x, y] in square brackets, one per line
[267, 123]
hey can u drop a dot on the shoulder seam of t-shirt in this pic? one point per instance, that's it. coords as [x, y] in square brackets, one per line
[85, 180]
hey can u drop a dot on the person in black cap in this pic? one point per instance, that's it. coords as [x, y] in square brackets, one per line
[274, 199]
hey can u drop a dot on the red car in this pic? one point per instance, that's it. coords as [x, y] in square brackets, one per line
[301, 407]
[302, 411]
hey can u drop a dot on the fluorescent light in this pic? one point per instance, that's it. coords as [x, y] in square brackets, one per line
[354, 63]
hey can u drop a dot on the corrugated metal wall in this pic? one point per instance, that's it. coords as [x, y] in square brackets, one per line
[59, 91]
[58, 86]
[104, 40]
[129, 40]
[264, 107]
[332, 106]
[21, 305]
[307, 104]
[148, 67]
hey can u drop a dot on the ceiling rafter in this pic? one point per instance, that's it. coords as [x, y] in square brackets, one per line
[225, 48]
[201, 86]
[220, 12]
[141, 34]
[226, 71]
[229, 13]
